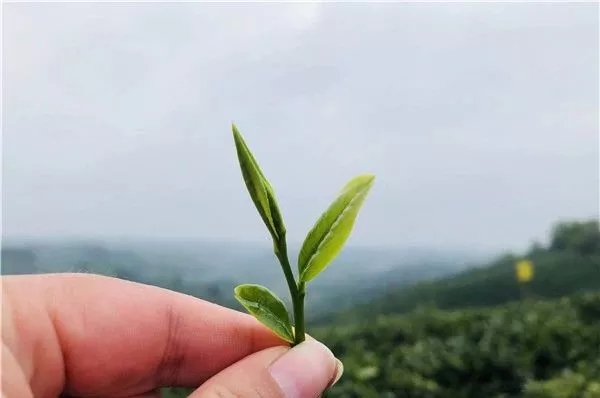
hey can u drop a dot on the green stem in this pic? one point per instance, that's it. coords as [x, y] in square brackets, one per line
[299, 314]
[297, 291]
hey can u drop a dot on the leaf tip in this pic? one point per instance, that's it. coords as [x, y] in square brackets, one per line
[235, 131]
[368, 178]
[236, 290]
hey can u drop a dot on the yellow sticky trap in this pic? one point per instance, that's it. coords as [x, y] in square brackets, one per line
[524, 271]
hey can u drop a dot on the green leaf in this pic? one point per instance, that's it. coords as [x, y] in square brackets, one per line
[331, 231]
[260, 189]
[265, 306]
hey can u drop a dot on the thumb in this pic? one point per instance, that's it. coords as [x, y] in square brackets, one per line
[304, 371]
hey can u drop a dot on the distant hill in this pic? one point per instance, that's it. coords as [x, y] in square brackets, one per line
[568, 264]
[210, 270]
[18, 261]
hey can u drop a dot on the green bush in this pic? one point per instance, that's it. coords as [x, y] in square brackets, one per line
[521, 349]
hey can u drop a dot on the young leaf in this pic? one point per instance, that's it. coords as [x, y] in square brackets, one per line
[265, 306]
[260, 189]
[329, 234]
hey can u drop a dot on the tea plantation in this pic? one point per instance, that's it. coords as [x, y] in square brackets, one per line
[479, 334]
[530, 349]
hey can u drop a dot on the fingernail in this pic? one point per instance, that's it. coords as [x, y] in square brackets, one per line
[339, 371]
[305, 370]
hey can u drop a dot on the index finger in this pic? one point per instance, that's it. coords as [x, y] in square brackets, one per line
[120, 337]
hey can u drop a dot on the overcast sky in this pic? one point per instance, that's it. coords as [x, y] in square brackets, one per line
[479, 120]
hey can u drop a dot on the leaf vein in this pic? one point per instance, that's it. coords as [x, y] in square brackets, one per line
[267, 312]
[335, 223]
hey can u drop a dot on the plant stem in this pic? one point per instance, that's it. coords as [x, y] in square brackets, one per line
[299, 314]
[297, 292]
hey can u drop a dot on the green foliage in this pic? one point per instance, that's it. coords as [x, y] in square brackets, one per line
[576, 236]
[567, 384]
[265, 306]
[331, 231]
[173, 392]
[323, 243]
[524, 349]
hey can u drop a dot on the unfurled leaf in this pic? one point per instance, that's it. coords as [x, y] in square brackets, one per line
[265, 306]
[260, 189]
[331, 231]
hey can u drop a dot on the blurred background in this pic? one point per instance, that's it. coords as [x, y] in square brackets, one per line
[480, 121]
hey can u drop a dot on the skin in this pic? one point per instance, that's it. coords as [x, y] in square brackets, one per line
[77, 335]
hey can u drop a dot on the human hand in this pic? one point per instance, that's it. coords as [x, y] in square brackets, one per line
[80, 335]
